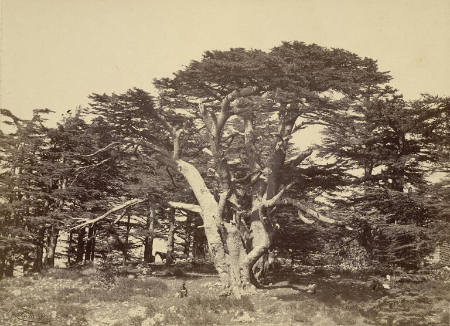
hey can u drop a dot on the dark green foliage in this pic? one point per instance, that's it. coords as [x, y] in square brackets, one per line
[378, 148]
[392, 145]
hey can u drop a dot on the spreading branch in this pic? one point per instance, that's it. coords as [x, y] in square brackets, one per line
[303, 218]
[185, 206]
[81, 168]
[92, 165]
[307, 210]
[102, 149]
[129, 203]
[125, 211]
[272, 201]
[264, 202]
[304, 208]
[247, 91]
[299, 158]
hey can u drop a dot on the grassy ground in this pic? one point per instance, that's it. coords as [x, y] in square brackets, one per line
[64, 297]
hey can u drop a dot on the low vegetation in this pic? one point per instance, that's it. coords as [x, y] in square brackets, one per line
[64, 297]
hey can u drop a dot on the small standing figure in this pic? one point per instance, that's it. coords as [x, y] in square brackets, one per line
[183, 290]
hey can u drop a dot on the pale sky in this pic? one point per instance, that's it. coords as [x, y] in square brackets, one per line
[55, 53]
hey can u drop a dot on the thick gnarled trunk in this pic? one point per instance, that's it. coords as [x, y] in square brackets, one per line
[233, 260]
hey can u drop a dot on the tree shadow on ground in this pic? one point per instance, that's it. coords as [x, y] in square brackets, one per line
[330, 290]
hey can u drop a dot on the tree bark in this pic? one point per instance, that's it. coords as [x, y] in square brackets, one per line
[93, 243]
[89, 245]
[187, 240]
[6, 264]
[209, 214]
[230, 257]
[80, 245]
[39, 251]
[126, 244]
[198, 244]
[2, 262]
[148, 241]
[9, 267]
[235, 245]
[27, 265]
[170, 237]
[51, 247]
[69, 248]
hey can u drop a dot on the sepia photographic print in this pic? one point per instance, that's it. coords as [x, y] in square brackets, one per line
[225, 163]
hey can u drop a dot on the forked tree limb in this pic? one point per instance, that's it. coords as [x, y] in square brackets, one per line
[266, 203]
[272, 201]
[247, 91]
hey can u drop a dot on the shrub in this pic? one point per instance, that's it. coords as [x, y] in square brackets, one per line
[107, 272]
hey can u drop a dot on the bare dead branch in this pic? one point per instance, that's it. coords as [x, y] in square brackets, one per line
[272, 201]
[125, 211]
[304, 208]
[299, 158]
[176, 143]
[129, 203]
[303, 218]
[92, 165]
[79, 169]
[185, 206]
[102, 149]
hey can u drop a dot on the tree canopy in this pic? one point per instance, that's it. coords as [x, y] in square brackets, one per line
[216, 142]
